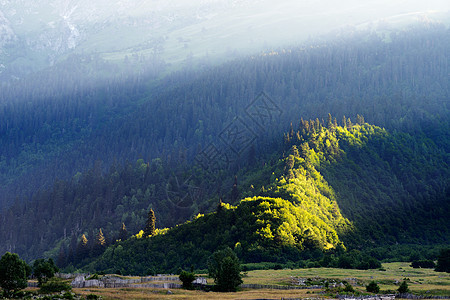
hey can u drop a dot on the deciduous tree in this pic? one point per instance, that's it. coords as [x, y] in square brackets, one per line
[13, 273]
[225, 268]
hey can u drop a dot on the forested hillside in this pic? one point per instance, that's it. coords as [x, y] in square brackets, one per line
[97, 154]
[395, 79]
[355, 184]
[293, 210]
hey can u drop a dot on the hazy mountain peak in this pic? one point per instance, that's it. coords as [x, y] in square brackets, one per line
[6, 33]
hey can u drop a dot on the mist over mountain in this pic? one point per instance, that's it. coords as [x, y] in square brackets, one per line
[37, 34]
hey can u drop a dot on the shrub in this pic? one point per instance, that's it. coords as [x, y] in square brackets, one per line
[68, 295]
[94, 276]
[443, 263]
[373, 287]
[403, 288]
[187, 278]
[278, 267]
[44, 270]
[55, 285]
[348, 288]
[423, 264]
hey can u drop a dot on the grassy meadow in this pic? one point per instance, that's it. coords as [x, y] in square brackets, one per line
[420, 281]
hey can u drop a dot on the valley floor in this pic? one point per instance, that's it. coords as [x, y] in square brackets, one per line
[425, 282]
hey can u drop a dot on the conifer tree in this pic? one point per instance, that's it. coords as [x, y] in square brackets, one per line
[234, 191]
[150, 228]
[100, 243]
[329, 124]
[317, 125]
[220, 205]
[359, 120]
[304, 150]
[71, 256]
[123, 234]
[82, 248]
[294, 151]
[100, 238]
[84, 241]
[62, 257]
[251, 155]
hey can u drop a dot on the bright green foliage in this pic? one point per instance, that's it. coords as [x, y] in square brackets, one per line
[372, 287]
[13, 273]
[294, 207]
[186, 278]
[403, 288]
[371, 172]
[225, 268]
[43, 270]
[259, 228]
[443, 263]
[274, 223]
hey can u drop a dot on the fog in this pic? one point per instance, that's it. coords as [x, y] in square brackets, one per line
[35, 34]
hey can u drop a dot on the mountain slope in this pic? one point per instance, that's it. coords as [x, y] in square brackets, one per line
[36, 34]
[54, 124]
[298, 211]
[355, 184]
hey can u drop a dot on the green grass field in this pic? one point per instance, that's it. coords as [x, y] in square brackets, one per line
[421, 281]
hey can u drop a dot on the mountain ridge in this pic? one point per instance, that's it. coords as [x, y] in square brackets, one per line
[314, 175]
[297, 212]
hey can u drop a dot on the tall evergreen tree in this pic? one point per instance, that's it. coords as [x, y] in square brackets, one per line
[71, 256]
[123, 234]
[344, 122]
[82, 249]
[443, 263]
[150, 228]
[99, 244]
[62, 257]
[359, 120]
[100, 238]
[234, 191]
[220, 205]
[294, 151]
[251, 155]
[329, 121]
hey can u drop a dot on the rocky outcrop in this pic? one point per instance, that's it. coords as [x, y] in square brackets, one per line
[111, 281]
[81, 282]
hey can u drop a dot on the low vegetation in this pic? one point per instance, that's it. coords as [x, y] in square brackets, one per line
[425, 282]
